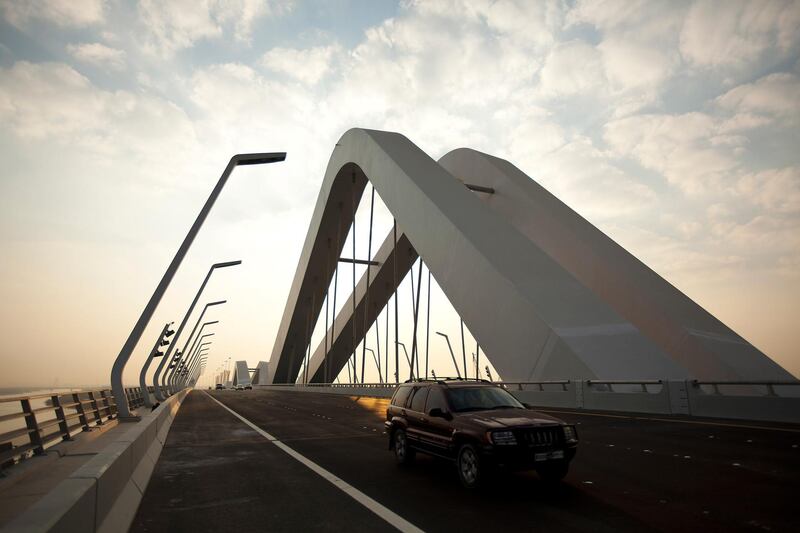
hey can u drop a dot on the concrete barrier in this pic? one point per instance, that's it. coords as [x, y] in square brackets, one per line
[104, 494]
[668, 397]
[771, 408]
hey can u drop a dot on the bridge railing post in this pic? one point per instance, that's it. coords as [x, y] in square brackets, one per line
[34, 432]
[61, 417]
[109, 414]
[76, 398]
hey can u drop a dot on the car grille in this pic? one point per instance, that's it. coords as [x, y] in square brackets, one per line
[543, 437]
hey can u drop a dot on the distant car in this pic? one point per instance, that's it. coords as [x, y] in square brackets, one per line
[479, 426]
[220, 386]
[248, 387]
[239, 387]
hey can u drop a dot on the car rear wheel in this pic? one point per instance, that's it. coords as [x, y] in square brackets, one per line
[402, 451]
[470, 467]
[553, 472]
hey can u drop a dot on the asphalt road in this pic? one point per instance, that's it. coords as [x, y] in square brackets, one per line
[631, 474]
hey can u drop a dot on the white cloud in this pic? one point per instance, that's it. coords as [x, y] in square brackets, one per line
[241, 110]
[532, 24]
[535, 135]
[638, 46]
[585, 178]
[686, 149]
[53, 102]
[440, 57]
[736, 33]
[777, 190]
[43, 99]
[98, 54]
[307, 65]
[743, 121]
[766, 237]
[67, 13]
[631, 65]
[652, 18]
[174, 25]
[777, 95]
[572, 68]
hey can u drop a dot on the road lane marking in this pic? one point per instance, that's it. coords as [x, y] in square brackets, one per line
[386, 514]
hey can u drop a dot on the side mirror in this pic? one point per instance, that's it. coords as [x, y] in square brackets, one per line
[436, 412]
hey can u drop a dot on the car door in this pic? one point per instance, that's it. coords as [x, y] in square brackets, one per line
[415, 415]
[438, 431]
[418, 418]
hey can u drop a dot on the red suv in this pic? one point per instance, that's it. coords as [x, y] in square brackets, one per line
[479, 425]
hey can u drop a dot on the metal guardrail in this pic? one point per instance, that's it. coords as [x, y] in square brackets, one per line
[770, 385]
[333, 385]
[521, 385]
[44, 420]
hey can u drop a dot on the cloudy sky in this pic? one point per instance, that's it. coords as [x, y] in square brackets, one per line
[672, 126]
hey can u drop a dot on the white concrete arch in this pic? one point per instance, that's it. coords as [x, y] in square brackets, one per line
[691, 336]
[241, 373]
[531, 315]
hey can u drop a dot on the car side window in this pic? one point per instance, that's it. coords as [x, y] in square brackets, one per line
[401, 396]
[418, 401]
[436, 400]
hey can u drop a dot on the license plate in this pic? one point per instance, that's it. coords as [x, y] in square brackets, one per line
[546, 456]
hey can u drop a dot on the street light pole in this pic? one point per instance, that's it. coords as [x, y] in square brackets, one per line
[201, 349]
[189, 365]
[159, 395]
[452, 355]
[125, 353]
[186, 355]
[403, 346]
[197, 373]
[183, 353]
[201, 359]
[189, 371]
[377, 363]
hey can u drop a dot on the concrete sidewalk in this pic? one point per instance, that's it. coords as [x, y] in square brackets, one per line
[25, 483]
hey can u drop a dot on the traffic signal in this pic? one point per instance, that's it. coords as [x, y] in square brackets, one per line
[165, 334]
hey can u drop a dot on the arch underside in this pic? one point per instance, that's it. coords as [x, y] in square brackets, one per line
[545, 293]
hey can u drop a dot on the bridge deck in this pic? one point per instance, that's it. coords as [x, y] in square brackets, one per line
[631, 474]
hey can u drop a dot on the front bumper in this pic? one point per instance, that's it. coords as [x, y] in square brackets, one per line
[522, 457]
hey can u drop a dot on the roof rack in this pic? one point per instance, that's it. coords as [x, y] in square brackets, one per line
[444, 380]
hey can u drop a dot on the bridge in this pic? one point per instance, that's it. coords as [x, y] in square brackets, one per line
[683, 423]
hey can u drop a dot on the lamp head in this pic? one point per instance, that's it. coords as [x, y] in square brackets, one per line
[258, 159]
[227, 264]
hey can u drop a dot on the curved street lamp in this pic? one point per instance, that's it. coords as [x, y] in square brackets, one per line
[123, 411]
[159, 396]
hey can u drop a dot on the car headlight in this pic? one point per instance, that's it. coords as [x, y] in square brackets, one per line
[503, 438]
[570, 434]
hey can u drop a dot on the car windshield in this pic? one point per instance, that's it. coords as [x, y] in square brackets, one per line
[481, 398]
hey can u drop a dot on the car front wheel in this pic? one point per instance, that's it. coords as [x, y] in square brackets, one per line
[402, 451]
[470, 468]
